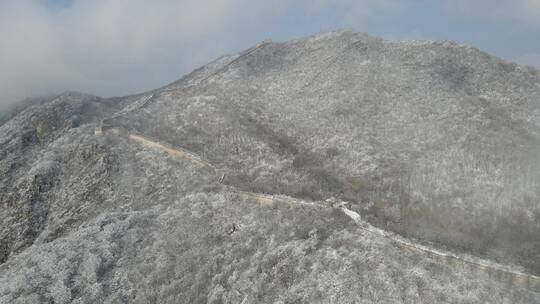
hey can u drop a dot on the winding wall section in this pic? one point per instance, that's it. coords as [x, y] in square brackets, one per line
[491, 270]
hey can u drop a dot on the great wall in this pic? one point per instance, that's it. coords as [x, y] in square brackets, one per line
[494, 271]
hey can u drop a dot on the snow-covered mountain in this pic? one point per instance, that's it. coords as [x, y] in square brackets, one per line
[435, 141]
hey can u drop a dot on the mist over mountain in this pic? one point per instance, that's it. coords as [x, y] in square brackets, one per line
[436, 142]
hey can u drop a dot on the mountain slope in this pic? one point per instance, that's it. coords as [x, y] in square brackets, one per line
[437, 141]
[433, 140]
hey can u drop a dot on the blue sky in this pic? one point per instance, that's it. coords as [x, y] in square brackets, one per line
[116, 47]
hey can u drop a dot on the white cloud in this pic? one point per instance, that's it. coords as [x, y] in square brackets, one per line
[114, 47]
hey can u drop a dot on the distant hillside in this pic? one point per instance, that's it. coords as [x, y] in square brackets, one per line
[7, 112]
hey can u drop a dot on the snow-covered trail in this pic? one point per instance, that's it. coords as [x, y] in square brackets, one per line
[494, 271]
